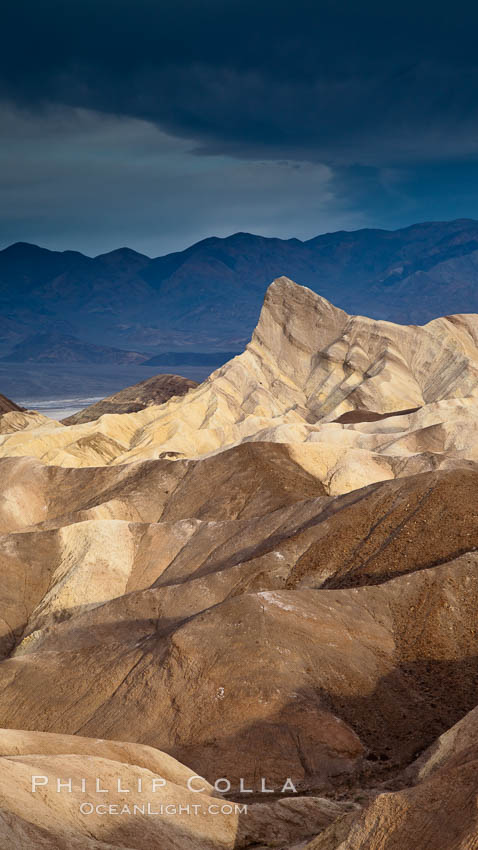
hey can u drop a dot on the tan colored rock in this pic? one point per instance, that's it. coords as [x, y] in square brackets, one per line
[247, 481]
[241, 581]
[52, 818]
[307, 364]
[115, 614]
[302, 683]
[23, 420]
[144, 799]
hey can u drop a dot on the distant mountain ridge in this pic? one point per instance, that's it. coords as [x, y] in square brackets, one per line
[52, 347]
[196, 358]
[208, 297]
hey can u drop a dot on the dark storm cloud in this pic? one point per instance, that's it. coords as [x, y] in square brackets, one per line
[155, 124]
[336, 82]
[73, 178]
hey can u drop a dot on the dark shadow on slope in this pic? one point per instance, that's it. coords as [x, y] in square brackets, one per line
[397, 527]
[407, 711]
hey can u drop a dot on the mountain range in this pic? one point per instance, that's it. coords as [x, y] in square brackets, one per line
[207, 298]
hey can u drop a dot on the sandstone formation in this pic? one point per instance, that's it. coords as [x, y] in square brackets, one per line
[152, 800]
[275, 575]
[22, 420]
[308, 363]
[154, 390]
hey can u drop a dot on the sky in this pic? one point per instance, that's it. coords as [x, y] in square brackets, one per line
[157, 123]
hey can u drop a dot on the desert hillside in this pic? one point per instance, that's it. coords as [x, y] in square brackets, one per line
[155, 390]
[6, 405]
[272, 576]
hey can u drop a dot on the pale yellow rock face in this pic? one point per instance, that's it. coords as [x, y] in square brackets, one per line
[18, 420]
[307, 364]
[53, 818]
[145, 800]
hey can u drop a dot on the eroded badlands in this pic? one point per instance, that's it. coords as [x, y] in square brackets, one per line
[237, 582]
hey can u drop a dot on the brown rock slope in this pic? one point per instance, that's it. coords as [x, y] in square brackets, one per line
[152, 801]
[154, 390]
[324, 686]
[48, 818]
[246, 481]
[6, 405]
[438, 810]
[286, 596]
[235, 658]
